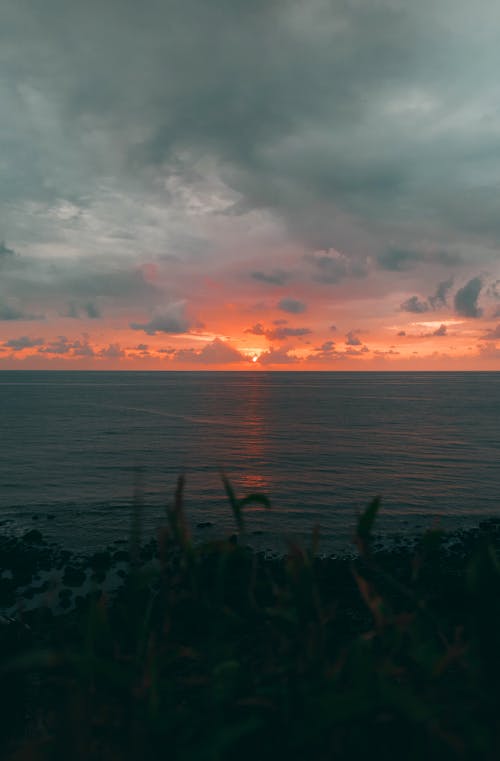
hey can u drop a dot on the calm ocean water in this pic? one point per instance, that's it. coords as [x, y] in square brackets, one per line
[319, 444]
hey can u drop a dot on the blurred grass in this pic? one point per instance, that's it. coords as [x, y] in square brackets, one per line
[214, 652]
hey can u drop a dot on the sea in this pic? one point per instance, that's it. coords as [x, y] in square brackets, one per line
[82, 452]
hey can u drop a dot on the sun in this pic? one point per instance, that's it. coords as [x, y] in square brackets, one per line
[254, 359]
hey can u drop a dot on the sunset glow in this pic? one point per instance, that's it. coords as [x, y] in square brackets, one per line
[252, 210]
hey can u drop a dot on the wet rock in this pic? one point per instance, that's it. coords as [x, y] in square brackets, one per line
[22, 574]
[7, 592]
[33, 537]
[100, 562]
[65, 598]
[121, 556]
[73, 576]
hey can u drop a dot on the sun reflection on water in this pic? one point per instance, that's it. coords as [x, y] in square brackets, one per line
[255, 436]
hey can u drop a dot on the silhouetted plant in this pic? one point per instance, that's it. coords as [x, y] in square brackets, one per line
[214, 651]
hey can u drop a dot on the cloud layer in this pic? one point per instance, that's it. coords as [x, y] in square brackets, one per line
[184, 170]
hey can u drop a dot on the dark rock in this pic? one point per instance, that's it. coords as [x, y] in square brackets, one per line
[7, 589]
[121, 556]
[100, 561]
[73, 576]
[33, 537]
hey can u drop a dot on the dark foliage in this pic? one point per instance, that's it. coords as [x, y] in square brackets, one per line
[213, 652]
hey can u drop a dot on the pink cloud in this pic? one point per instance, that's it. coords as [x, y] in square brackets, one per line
[217, 352]
[277, 357]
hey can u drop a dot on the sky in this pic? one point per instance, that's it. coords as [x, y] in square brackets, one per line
[250, 185]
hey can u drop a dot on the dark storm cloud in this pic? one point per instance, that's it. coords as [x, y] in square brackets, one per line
[60, 346]
[446, 258]
[282, 333]
[442, 330]
[276, 277]
[63, 346]
[293, 306]
[82, 349]
[90, 310]
[10, 312]
[279, 333]
[437, 301]
[72, 312]
[327, 346]
[399, 260]
[342, 105]
[170, 320]
[5, 252]
[466, 298]
[361, 127]
[257, 329]
[113, 351]
[326, 351]
[403, 260]
[415, 305]
[331, 266]
[351, 339]
[351, 352]
[25, 342]
[49, 283]
[494, 290]
[109, 283]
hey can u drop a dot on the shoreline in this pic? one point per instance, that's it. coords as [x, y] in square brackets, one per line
[36, 572]
[199, 644]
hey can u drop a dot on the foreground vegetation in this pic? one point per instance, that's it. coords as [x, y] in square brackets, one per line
[212, 652]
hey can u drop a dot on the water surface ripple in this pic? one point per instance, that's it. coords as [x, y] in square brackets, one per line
[319, 444]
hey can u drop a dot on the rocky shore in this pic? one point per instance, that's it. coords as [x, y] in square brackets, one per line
[220, 651]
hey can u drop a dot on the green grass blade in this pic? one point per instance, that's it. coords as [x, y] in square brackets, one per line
[367, 521]
[234, 502]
